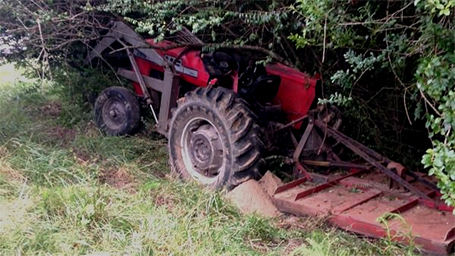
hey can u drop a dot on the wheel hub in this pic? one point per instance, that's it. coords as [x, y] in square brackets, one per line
[206, 150]
[114, 113]
[203, 149]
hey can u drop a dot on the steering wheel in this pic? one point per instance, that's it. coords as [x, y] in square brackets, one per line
[224, 61]
[246, 79]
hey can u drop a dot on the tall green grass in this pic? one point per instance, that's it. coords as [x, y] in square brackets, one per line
[66, 189]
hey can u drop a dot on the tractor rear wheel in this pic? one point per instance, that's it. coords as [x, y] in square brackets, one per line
[214, 139]
[117, 111]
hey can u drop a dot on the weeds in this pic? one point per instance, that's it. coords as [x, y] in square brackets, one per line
[398, 220]
[65, 189]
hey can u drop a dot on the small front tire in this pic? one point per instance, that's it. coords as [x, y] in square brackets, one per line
[117, 112]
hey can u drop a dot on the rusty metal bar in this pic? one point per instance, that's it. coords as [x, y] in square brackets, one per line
[144, 89]
[371, 194]
[405, 207]
[358, 150]
[303, 140]
[301, 145]
[341, 164]
[357, 144]
[414, 202]
[423, 181]
[290, 185]
[325, 185]
[300, 119]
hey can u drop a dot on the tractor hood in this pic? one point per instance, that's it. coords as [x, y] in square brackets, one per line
[297, 91]
[291, 74]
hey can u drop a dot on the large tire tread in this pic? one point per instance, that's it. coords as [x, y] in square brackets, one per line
[244, 134]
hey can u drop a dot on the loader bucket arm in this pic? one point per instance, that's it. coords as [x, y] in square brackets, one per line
[135, 46]
[124, 34]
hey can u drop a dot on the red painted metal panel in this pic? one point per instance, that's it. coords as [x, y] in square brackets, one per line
[358, 210]
[296, 93]
[290, 185]
[326, 185]
[144, 67]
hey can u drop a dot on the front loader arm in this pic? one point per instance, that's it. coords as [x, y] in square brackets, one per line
[168, 87]
[124, 34]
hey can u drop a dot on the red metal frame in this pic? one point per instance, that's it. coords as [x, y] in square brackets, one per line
[295, 94]
[356, 204]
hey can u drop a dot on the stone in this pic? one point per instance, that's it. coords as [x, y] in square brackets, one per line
[252, 199]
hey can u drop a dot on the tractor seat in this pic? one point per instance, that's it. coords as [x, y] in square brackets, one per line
[264, 88]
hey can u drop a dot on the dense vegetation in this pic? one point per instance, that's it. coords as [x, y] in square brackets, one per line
[389, 64]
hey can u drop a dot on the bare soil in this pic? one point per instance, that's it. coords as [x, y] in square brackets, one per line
[119, 179]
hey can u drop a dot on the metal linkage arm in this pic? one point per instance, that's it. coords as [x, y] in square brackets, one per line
[169, 87]
[360, 151]
[121, 31]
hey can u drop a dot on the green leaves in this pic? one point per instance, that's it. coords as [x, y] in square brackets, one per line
[336, 99]
[439, 7]
[258, 23]
[436, 81]
[359, 66]
[441, 160]
[376, 53]
[417, 52]
[322, 17]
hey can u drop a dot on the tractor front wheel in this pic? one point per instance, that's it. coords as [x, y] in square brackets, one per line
[117, 111]
[214, 139]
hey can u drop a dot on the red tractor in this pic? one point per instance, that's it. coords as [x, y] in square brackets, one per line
[223, 112]
[229, 106]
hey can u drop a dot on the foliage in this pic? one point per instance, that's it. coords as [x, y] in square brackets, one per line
[435, 79]
[47, 30]
[390, 63]
[412, 42]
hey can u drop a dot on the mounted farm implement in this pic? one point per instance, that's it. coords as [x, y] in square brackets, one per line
[223, 113]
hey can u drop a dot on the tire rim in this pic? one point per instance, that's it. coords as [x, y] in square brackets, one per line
[202, 150]
[114, 113]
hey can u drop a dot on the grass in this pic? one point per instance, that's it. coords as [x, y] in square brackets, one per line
[66, 189]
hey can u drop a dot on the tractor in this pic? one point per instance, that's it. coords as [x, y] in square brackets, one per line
[224, 111]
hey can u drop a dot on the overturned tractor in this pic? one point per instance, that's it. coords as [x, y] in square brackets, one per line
[223, 113]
